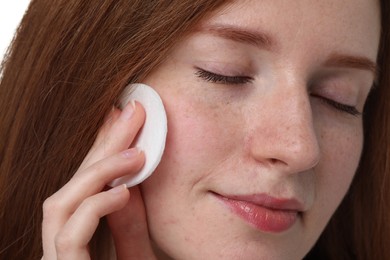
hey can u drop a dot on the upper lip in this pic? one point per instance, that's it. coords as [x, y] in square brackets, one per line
[267, 201]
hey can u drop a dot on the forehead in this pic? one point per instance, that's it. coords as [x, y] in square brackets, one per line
[346, 26]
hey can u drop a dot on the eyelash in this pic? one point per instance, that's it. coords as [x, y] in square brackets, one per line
[339, 106]
[241, 80]
[221, 79]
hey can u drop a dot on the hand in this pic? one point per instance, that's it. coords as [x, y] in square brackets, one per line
[72, 214]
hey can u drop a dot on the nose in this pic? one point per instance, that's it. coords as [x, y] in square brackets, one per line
[282, 133]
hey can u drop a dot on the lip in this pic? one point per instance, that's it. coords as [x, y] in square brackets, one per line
[265, 213]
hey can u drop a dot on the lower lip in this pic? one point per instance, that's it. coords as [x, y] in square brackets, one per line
[262, 218]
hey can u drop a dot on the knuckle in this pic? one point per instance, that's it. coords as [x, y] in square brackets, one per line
[89, 206]
[102, 169]
[97, 168]
[49, 207]
[63, 242]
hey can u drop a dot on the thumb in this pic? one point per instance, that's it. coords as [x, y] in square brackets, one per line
[129, 229]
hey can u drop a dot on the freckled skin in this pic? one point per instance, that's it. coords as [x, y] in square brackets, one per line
[270, 136]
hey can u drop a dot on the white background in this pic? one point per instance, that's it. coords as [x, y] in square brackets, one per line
[11, 12]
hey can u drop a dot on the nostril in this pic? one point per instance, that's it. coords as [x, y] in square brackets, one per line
[273, 160]
[276, 161]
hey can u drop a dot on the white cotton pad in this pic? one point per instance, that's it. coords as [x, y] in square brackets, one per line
[152, 136]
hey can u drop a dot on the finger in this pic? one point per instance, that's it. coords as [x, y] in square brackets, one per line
[109, 120]
[119, 136]
[97, 176]
[58, 208]
[72, 241]
[129, 229]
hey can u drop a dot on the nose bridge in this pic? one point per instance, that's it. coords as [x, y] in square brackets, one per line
[297, 132]
[285, 133]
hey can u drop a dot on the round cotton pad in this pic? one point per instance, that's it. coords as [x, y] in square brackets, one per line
[152, 136]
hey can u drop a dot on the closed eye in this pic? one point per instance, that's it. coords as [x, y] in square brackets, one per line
[222, 79]
[339, 106]
[239, 80]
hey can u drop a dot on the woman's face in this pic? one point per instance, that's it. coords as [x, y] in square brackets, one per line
[264, 131]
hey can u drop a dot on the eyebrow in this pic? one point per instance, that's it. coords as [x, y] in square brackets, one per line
[355, 62]
[266, 41]
[243, 35]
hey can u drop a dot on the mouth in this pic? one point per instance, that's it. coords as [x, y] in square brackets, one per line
[265, 213]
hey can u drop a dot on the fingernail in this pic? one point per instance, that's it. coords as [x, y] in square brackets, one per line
[118, 189]
[131, 152]
[128, 111]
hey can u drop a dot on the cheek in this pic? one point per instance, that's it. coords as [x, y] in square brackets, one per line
[200, 135]
[341, 153]
[341, 139]
[200, 132]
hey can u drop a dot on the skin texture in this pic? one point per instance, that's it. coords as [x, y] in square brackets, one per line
[276, 134]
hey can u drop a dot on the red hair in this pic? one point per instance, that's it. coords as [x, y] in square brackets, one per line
[66, 67]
